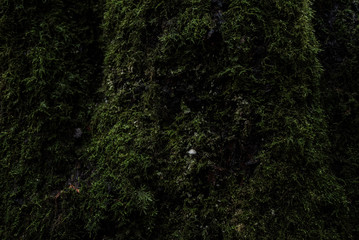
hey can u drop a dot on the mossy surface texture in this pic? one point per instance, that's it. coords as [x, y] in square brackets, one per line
[181, 119]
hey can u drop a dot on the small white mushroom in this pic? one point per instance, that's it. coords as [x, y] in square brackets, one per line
[78, 133]
[192, 152]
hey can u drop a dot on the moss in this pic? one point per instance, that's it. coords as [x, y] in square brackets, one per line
[240, 85]
[336, 27]
[45, 90]
[210, 122]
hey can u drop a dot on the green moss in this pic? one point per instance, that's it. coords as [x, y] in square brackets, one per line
[336, 26]
[238, 83]
[46, 68]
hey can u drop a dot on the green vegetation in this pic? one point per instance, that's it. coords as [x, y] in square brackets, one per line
[47, 69]
[182, 119]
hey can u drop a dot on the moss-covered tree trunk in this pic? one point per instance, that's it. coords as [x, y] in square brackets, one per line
[216, 119]
[337, 30]
[48, 58]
